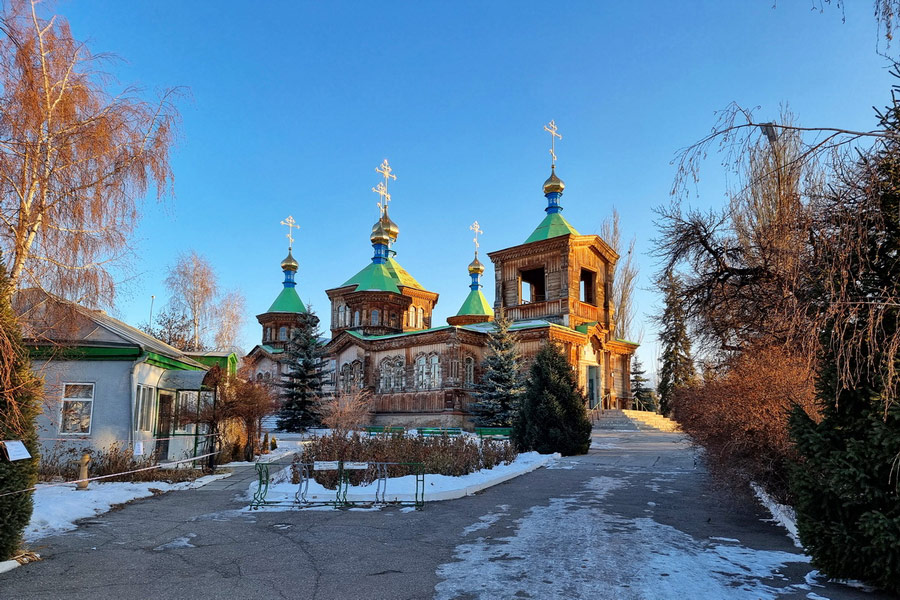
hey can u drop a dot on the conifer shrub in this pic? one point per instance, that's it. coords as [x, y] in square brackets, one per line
[498, 394]
[19, 406]
[553, 417]
[302, 381]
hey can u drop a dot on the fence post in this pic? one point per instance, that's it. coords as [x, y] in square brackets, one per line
[83, 472]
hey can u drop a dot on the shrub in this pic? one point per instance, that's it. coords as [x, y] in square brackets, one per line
[61, 463]
[444, 455]
[552, 417]
[740, 418]
[344, 411]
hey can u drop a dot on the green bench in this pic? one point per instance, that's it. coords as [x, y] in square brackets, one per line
[439, 431]
[385, 430]
[494, 433]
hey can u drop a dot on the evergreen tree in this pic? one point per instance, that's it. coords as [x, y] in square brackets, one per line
[846, 484]
[501, 387]
[553, 417]
[302, 383]
[677, 367]
[19, 407]
[643, 398]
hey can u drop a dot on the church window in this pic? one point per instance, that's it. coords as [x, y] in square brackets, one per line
[532, 287]
[346, 377]
[412, 316]
[375, 317]
[356, 319]
[259, 376]
[340, 318]
[393, 319]
[267, 334]
[470, 371]
[421, 372]
[268, 376]
[421, 317]
[357, 375]
[434, 372]
[391, 374]
[282, 333]
[588, 287]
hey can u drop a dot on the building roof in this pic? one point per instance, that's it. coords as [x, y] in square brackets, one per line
[49, 319]
[387, 277]
[476, 304]
[553, 225]
[288, 301]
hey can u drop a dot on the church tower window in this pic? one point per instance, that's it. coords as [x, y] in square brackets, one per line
[588, 287]
[282, 333]
[375, 317]
[532, 288]
[470, 371]
[356, 319]
[421, 318]
[340, 318]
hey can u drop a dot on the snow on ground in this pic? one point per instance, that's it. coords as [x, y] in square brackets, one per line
[57, 507]
[402, 489]
[654, 561]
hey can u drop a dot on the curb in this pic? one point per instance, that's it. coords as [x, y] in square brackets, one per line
[9, 565]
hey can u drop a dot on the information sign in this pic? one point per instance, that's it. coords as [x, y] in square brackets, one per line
[325, 465]
[356, 466]
[15, 450]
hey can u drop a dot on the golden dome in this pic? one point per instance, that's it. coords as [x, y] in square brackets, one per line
[380, 233]
[476, 267]
[390, 227]
[289, 264]
[553, 183]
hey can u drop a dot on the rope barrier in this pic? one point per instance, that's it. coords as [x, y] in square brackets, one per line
[153, 439]
[156, 466]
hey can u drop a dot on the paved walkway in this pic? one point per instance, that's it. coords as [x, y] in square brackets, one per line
[633, 519]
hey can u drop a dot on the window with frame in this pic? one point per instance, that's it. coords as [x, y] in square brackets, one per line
[77, 407]
[434, 372]
[187, 405]
[421, 372]
[144, 407]
[375, 317]
[421, 318]
[356, 319]
[282, 333]
[469, 365]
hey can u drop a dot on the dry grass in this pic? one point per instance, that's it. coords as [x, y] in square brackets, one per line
[62, 463]
[452, 456]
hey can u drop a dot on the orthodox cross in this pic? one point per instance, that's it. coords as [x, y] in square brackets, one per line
[382, 188]
[477, 229]
[551, 127]
[290, 224]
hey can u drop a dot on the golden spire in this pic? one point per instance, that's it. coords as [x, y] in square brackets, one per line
[290, 224]
[384, 223]
[553, 183]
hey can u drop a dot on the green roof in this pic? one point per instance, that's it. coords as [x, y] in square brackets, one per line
[387, 278]
[553, 225]
[288, 301]
[476, 304]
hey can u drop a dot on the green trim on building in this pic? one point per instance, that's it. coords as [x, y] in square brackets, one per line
[627, 342]
[229, 363]
[476, 304]
[288, 301]
[386, 336]
[553, 225]
[85, 352]
[584, 327]
[158, 360]
[387, 277]
[272, 349]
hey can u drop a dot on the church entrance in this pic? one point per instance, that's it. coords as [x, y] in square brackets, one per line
[593, 385]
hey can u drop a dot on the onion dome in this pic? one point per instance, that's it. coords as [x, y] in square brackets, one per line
[554, 183]
[476, 267]
[380, 234]
[389, 226]
[289, 263]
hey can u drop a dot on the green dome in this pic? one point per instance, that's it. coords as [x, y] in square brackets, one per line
[288, 301]
[476, 304]
[553, 225]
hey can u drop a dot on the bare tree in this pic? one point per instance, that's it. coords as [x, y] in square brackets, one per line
[625, 276]
[75, 160]
[193, 287]
[230, 315]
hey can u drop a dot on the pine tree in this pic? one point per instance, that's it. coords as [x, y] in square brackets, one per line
[501, 386]
[19, 407]
[677, 367]
[846, 484]
[553, 417]
[642, 394]
[302, 383]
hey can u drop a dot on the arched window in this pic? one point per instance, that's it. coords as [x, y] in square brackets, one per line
[357, 374]
[434, 372]
[375, 319]
[412, 316]
[282, 333]
[421, 317]
[356, 319]
[346, 377]
[340, 317]
[469, 364]
[259, 376]
[421, 372]
[268, 376]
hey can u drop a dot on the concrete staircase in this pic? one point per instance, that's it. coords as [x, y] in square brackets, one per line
[614, 420]
[652, 420]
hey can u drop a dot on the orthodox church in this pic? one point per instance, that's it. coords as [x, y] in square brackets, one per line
[555, 287]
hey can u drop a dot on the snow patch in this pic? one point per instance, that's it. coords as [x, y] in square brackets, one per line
[487, 520]
[782, 514]
[180, 542]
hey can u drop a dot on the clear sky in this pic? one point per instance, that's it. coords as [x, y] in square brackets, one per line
[293, 104]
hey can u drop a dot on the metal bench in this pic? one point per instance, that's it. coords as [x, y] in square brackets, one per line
[385, 430]
[439, 431]
[494, 433]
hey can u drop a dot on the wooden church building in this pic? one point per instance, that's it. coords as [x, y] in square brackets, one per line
[555, 287]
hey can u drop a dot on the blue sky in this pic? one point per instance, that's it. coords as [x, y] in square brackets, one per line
[292, 105]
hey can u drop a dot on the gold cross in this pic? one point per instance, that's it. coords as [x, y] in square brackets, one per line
[477, 229]
[381, 190]
[551, 127]
[291, 224]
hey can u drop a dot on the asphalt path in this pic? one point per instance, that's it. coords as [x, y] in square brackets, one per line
[635, 518]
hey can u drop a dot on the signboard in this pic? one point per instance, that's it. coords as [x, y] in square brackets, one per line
[15, 450]
[325, 465]
[356, 466]
[138, 449]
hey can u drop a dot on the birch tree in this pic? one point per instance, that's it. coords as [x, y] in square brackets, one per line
[75, 158]
[193, 285]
